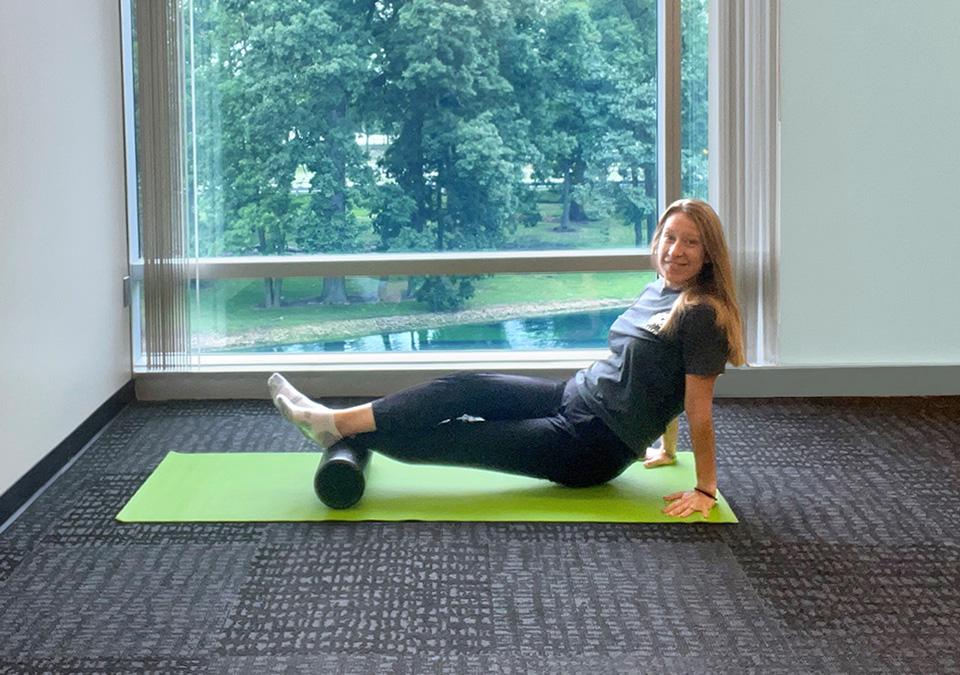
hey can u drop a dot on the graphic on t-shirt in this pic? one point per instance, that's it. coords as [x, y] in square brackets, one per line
[656, 322]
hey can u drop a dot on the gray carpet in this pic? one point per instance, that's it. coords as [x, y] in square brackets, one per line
[846, 560]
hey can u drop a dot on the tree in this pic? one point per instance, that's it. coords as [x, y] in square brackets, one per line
[574, 96]
[693, 74]
[469, 92]
[629, 45]
[288, 74]
[441, 96]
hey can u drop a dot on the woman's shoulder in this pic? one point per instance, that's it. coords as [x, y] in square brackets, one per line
[699, 318]
[705, 345]
[654, 288]
[702, 308]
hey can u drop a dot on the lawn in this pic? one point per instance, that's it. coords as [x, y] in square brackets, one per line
[234, 307]
[604, 232]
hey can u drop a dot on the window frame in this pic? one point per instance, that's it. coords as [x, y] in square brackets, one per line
[419, 264]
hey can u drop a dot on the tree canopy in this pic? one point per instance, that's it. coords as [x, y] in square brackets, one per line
[331, 126]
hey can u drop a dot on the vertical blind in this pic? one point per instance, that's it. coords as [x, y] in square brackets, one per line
[166, 331]
[744, 159]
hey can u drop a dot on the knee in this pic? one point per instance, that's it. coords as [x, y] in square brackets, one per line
[581, 482]
[589, 473]
[577, 476]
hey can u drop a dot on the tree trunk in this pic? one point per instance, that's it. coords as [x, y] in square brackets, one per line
[639, 231]
[334, 288]
[334, 291]
[565, 200]
[272, 289]
[650, 186]
[338, 200]
[271, 286]
[411, 177]
[577, 214]
[639, 219]
[578, 174]
[439, 214]
[382, 289]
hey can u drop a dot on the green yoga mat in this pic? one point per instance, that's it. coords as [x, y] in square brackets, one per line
[267, 487]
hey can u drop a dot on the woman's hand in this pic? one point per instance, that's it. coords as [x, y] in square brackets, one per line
[682, 504]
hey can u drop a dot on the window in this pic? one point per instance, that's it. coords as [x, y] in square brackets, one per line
[694, 62]
[399, 163]
[379, 314]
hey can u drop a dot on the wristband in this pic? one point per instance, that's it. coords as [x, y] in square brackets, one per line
[704, 492]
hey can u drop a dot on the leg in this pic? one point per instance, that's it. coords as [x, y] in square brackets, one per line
[318, 422]
[315, 422]
[355, 420]
[492, 396]
[548, 447]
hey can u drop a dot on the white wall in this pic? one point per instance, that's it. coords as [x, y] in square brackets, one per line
[64, 339]
[870, 144]
[870, 169]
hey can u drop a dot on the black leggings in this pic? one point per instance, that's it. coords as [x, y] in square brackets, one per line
[531, 426]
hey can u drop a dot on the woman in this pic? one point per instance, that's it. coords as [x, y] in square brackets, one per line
[667, 351]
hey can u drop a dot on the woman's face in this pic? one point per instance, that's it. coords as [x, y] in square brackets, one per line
[680, 252]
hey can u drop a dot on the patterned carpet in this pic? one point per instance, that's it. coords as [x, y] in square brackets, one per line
[846, 559]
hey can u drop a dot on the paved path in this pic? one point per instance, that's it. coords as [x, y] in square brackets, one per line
[352, 328]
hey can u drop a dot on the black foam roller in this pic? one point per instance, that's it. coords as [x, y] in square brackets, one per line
[341, 476]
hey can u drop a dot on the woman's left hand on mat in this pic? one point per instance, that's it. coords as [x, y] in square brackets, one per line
[683, 504]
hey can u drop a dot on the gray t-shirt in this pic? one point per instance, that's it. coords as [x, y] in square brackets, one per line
[639, 388]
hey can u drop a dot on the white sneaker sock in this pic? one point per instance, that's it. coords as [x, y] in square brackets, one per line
[278, 384]
[315, 422]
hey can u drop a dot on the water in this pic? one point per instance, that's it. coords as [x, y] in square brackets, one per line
[565, 331]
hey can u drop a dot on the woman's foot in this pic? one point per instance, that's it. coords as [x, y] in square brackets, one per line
[314, 422]
[658, 457]
[278, 384]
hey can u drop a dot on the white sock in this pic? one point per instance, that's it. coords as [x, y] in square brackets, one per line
[315, 422]
[278, 384]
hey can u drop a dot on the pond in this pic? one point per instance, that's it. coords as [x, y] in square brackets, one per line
[565, 331]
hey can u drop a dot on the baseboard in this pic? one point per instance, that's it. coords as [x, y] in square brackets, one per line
[21, 491]
[755, 382]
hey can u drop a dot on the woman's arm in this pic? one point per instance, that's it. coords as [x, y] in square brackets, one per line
[698, 405]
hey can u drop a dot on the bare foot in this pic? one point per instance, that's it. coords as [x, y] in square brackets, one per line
[658, 457]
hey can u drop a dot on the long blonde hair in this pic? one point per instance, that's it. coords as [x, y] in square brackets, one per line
[714, 284]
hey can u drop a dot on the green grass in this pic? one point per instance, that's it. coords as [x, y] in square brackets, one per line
[607, 232]
[234, 307]
[507, 289]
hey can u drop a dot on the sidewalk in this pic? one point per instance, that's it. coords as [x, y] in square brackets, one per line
[353, 328]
